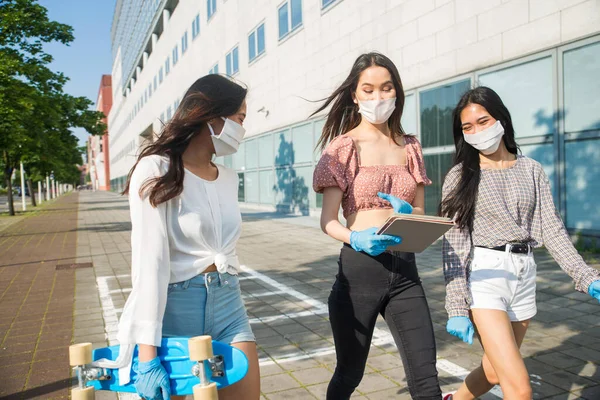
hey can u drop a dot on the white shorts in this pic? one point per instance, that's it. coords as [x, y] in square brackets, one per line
[501, 280]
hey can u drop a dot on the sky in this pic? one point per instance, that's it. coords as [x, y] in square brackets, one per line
[88, 57]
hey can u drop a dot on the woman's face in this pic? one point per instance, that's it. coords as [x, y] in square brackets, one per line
[474, 118]
[374, 83]
[239, 117]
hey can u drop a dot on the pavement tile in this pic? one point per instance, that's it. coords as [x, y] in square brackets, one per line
[589, 393]
[313, 376]
[293, 394]
[277, 383]
[374, 382]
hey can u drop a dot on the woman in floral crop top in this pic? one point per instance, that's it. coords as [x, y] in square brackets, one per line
[372, 169]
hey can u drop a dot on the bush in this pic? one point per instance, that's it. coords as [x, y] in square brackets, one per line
[3, 192]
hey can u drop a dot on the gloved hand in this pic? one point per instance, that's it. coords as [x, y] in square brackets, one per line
[371, 243]
[152, 381]
[400, 206]
[462, 328]
[594, 290]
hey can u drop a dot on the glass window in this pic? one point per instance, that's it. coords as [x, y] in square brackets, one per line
[296, 13]
[228, 161]
[160, 75]
[256, 42]
[284, 148]
[267, 183]
[150, 90]
[436, 166]
[175, 55]
[184, 43]
[284, 26]
[232, 65]
[167, 66]
[409, 115]
[265, 145]
[169, 111]
[241, 189]
[290, 17]
[196, 27]
[544, 154]
[303, 195]
[252, 46]
[239, 158]
[211, 7]
[215, 69]
[325, 3]
[251, 187]
[155, 82]
[260, 39]
[436, 106]
[252, 154]
[317, 131]
[283, 187]
[526, 90]
[302, 144]
[583, 177]
[581, 68]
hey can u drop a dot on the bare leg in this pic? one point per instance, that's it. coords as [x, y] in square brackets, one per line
[502, 362]
[249, 387]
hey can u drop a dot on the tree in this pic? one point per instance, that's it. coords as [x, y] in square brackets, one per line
[35, 114]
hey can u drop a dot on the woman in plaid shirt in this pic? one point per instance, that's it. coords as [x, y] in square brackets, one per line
[502, 206]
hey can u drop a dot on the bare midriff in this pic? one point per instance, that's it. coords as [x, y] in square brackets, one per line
[366, 219]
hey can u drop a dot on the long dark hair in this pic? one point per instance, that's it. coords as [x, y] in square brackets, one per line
[344, 115]
[460, 203]
[211, 96]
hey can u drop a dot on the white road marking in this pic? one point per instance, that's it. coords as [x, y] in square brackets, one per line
[380, 336]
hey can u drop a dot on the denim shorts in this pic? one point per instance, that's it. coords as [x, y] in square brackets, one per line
[208, 304]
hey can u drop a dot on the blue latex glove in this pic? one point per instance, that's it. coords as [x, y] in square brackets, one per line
[462, 328]
[594, 290]
[400, 206]
[152, 381]
[371, 243]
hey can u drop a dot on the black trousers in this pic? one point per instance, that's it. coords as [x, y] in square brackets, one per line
[389, 285]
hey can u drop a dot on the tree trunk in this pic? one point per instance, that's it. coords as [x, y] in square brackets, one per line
[7, 176]
[31, 192]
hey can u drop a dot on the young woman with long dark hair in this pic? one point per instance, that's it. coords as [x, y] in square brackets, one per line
[502, 206]
[185, 225]
[372, 169]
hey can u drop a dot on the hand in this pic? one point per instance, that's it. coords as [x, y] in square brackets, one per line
[462, 328]
[152, 382]
[400, 206]
[371, 243]
[594, 290]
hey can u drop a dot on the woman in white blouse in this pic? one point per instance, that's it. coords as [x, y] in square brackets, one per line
[185, 225]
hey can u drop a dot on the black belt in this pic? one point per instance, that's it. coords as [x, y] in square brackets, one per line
[521, 248]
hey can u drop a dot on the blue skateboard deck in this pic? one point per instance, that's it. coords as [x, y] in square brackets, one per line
[175, 357]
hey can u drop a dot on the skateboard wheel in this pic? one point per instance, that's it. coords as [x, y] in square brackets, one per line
[200, 348]
[80, 354]
[86, 393]
[206, 392]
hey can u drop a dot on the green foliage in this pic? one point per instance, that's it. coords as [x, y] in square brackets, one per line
[36, 116]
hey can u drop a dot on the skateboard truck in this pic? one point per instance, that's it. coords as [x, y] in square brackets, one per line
[80, 355]
[200, 351]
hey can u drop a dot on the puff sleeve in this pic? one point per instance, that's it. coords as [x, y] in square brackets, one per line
[414, 158]
[338, 165]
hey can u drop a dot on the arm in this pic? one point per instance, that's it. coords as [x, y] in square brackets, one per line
[419, 201]
[456, 248]
[142, 317]
[556, 240]
[330, 224]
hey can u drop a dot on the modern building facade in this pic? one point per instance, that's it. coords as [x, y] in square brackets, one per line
[542, 57]
[98, 146]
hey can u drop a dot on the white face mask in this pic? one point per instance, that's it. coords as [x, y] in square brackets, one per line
[488, 140]
[228, 141]
[377, 111]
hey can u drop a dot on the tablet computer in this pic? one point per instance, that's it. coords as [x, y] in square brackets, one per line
[417, 231]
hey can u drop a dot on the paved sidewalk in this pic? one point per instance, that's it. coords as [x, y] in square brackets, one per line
[36, 302]
[289, 267]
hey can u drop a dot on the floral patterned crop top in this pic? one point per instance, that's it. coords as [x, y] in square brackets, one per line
[340, 166]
